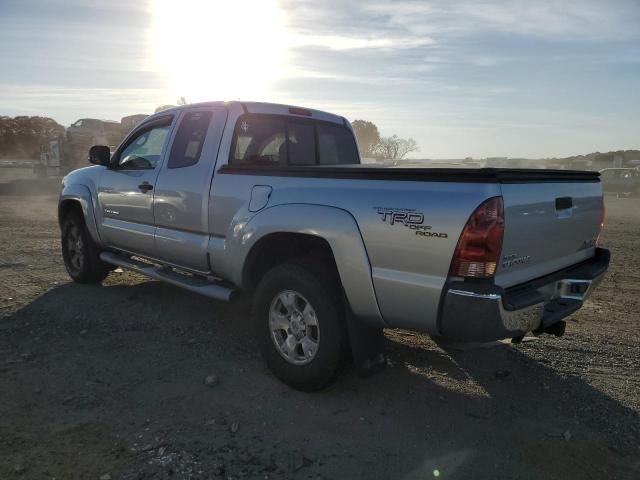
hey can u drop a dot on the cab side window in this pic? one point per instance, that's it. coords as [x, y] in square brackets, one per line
[144, 150]
[187, 145]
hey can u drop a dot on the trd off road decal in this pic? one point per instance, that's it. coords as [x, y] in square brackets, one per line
[409, 218]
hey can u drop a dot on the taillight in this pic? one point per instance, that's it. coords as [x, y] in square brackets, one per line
[602, 218]
[480, 243]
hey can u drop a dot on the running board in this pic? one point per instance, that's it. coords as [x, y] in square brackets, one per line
[193, 283]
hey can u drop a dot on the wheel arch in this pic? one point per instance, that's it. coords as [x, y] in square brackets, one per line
[278, 247]
[330, 233]
[78, 197]
[66, 207]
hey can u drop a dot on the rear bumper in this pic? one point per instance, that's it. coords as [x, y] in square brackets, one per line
[482, 312]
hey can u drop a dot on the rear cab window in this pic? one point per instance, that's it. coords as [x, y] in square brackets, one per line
[302, 142]
[278, 141]
[336, 145]
[259, 140]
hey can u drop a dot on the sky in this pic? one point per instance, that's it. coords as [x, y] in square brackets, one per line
[544, 78]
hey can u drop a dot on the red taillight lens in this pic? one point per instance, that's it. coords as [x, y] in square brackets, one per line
[480, 243]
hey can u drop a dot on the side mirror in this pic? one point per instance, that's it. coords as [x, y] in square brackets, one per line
[100, 155]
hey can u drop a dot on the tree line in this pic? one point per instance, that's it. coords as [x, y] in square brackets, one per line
[23, 137]
[604, 157]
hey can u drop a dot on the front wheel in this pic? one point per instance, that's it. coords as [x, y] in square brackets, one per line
[298, 317]
[80, 253]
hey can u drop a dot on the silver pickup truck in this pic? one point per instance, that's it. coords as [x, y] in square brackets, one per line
[219, 198]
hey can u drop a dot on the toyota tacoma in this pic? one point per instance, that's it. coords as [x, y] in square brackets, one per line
[272, 200]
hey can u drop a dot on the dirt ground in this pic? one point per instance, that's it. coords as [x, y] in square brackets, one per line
[107, 382]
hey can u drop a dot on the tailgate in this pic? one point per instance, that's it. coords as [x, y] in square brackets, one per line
[548, 226]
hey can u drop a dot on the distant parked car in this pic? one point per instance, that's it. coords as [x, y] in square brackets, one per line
[91, 131]
[621, 181]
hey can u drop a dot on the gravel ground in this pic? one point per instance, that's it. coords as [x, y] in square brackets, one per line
[109, 382]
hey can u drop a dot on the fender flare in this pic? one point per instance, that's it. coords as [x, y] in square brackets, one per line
[81, 195]
[334, 225]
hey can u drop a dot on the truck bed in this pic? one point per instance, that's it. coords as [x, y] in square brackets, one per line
[542, 234]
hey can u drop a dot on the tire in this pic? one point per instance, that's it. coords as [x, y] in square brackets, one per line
[281, 302]
[79, 251]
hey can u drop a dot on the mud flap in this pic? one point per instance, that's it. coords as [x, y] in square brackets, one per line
[367, 346]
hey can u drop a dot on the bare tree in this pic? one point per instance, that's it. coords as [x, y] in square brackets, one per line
[395, 148]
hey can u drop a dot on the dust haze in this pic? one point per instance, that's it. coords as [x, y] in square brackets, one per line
[109, 380]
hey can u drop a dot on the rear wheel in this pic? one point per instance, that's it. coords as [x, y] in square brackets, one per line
[299, 326]
[79, 251]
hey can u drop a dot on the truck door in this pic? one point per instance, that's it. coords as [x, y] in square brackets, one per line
[126, 190]
[181, 199]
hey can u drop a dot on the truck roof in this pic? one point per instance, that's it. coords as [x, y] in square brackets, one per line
[265, 108]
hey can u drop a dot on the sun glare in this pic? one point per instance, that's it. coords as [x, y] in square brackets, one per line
[219, 50]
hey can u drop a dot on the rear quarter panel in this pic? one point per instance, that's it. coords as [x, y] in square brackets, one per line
[410, 269]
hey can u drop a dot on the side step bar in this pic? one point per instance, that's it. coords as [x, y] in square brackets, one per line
[192, 283]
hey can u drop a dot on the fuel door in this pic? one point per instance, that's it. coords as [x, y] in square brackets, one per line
[259, 197]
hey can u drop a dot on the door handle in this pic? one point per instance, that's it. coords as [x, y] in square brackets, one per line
[145, 187]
